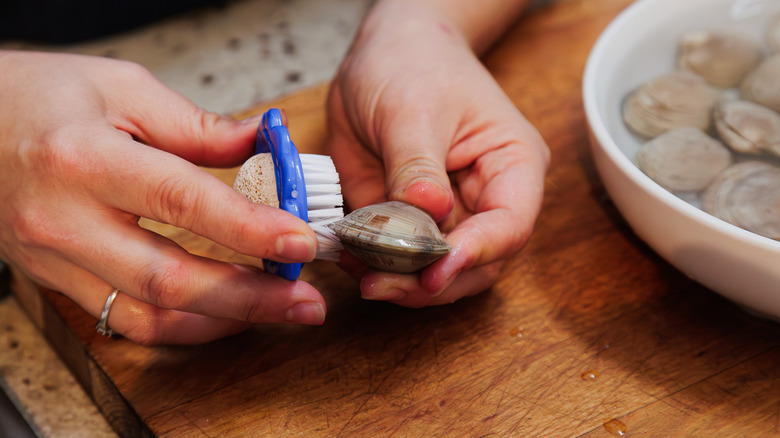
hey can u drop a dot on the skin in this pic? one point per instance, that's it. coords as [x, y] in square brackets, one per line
[88, 145]
[431, 127]
[78, 171]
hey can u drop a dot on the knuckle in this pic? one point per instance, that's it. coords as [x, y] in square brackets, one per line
[134, 71]
[32, 226]
[253, 311]
[163, 286]
[519, 233]
[57, 153]
[36, 269]
[492, 271]
[144, 331]
[415, 165]
[246, 238]
[175, 202]
[207, 122]
[514, 234]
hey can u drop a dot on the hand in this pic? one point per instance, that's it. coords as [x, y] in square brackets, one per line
[415, 116]
[89, 145]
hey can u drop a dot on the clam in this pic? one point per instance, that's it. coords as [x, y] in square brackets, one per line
[393, 236]
[672, 101]
[747, 194]
[721, 57]
[748, 127]
[773, 35]
[683, 160]
[762, 85]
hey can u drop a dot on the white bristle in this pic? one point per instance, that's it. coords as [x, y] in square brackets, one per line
[322, 189]
[326, 212]
[323, 196]
[324, 201]
[328, 245]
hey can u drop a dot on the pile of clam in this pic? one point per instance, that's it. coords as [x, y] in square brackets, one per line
[711, 129]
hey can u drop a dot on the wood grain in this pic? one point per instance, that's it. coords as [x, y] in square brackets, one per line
[587, 332]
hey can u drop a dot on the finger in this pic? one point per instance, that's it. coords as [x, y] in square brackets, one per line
[360, 170]
[479, 240]
[149, 325]
[136, 320]
[146, 324]
[407, 289]
[469, 283]
[163, 118]
[503, 189]
[152, 269]
[415, 159]
[509, 175]
[352, 265]
[157, 185]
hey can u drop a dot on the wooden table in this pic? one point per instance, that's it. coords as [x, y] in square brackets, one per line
[587, 332]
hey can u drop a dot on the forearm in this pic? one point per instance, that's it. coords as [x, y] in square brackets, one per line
[479, 23]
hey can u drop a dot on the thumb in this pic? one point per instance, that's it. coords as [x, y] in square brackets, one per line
[416, 173]
[160, 117]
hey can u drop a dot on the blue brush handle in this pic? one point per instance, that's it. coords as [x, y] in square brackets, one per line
[273, 137]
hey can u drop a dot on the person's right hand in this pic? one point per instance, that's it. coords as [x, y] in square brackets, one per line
[87, 146]
[416, 117]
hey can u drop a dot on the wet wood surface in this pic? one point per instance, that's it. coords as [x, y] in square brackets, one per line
[587, 332]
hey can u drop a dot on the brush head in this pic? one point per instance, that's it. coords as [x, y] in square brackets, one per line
[305, 185]
[257, 181]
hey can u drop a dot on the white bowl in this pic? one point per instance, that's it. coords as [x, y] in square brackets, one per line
[641, 44]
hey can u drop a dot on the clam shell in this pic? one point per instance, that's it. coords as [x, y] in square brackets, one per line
[747, 195]
[762, 85]
[671, 101]
[392, 236]
[748, 127]
[683, 160]
[721, 57]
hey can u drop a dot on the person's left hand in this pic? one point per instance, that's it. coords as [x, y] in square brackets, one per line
[89, 145]
[414, 116]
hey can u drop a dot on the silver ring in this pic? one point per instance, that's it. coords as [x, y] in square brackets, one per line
[102, 325]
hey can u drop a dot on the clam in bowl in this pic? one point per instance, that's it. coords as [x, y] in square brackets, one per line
[639, 45]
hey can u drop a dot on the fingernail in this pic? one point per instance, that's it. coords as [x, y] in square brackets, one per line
[295, 246]
[428, 193]
[391, 294]
[419, 187]
[423, 184]
[307, 312]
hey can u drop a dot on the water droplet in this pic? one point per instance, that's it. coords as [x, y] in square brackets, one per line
[517, 332]
[615, 427]
[590, 375]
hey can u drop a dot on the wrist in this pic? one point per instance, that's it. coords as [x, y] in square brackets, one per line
[418, 21]
[478, 24]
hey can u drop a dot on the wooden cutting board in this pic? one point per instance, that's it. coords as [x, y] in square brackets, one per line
[587, 332]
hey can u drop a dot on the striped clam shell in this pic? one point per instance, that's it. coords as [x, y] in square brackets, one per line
[392, 236]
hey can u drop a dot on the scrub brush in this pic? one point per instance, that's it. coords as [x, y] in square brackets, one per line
[306, 185]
